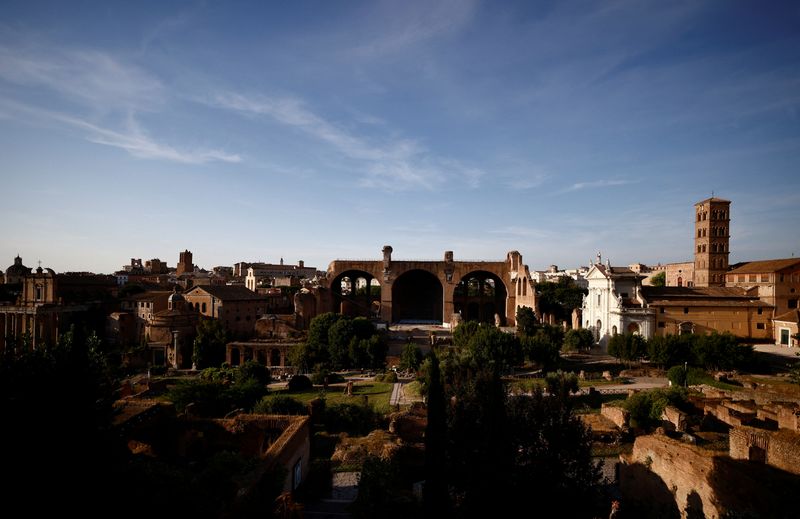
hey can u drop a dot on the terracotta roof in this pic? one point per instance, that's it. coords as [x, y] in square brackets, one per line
[705, 296]
[792, 316]
[774, 265]
[228, 292]
[712, 199]
[617, 271]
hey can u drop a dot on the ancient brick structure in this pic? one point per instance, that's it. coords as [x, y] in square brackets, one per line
[410, 290]
[780, 449]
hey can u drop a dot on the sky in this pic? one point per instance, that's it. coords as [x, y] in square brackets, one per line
[254, 131]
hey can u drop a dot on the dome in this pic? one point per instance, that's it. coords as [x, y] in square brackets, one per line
[18, 268]
[175, 297]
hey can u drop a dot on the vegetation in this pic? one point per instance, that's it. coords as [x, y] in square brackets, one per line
[560, 298]
[628, 347]
[659, 280]
[338, 342]
[220, 390]
[646, 407]
[209, 343]
[577, 340]
[280, 404]
[299, 383]
[497, 452]
[411, 358]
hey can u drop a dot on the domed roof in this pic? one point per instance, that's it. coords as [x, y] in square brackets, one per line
[176, 297]
[18, 268]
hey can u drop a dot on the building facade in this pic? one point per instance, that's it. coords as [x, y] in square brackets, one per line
[776, 282]
[235, 306]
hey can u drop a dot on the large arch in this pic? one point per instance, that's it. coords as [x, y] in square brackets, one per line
[417, 295]
[479, 296]
[356, 293]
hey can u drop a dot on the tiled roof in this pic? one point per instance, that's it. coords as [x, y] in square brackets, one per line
[792, 316]
[227, 292]
[705, 296]
[712, 199]
[774, 265]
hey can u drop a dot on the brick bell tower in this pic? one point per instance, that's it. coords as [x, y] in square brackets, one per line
[711, 241]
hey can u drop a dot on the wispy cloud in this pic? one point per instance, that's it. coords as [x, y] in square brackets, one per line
[96, 87]
[598, 184]
[390, 164]
[394, 28]
[92, 78]
[133, 140]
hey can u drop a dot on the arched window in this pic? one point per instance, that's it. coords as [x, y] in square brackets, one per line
[680, 281]
[204, 308]
[524, 286]
[614, 330]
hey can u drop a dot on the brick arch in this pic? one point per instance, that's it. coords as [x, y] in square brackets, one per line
[479, 295]
[348, 301]
[448, 273]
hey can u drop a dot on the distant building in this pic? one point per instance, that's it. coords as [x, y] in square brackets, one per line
[185, 265]
[776, 282]
[553, 274]
[171, 333]
[786, 328]
[16, 273]
[712, 241]
[236, 306]
[264, 273]
[49, 303]
[614, 304]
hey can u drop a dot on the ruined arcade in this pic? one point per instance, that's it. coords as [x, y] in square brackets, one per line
[430, 291]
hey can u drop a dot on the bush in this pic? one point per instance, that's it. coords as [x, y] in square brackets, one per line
[389, 377]
[318, 378]
[254, 370]
[280, 404]
[300, 383]
[678, 376]
[646, 407]
[351, 418]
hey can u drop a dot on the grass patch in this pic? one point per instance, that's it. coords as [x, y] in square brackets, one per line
[597, 382]
[526, 385]
[413, 389]
[377, 393]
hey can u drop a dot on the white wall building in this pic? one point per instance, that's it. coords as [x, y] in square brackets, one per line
[614, 304]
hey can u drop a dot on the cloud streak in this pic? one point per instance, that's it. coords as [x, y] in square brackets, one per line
[393, 164]
[134, 141]
[597, 184]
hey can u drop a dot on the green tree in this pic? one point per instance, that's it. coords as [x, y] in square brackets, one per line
[493, 347]
[411, 358]
[659, 280]
[209, 343]
[576, 340]
[721, 351]
[339, 336]
[526, 321]
[628, 347]
[561, 384]
[560, 298]
[435, 491]
[671, 350]
[464, 332]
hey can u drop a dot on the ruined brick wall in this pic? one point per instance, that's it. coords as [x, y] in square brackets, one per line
[663, 477]
[780, 449]
[676, 417]
[789, 418]
[616, 414]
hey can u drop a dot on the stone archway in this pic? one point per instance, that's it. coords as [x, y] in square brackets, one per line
[356, 293]
[417, 295]
[479, 296]
[634, 329]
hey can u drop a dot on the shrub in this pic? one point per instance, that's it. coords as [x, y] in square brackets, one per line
[254, 370]
[280, 404]
[350, 418]
[389, 376]
[300, 383]
[646, 407]
[678, 376]
[318, 378]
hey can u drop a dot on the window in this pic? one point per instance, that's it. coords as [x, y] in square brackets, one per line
[792, 303]
[598, 299]
[38, 292]
[662, 310]
[699, 233]
[781, 278]
[662, 324]
[204, 307]
[760, 326]
[698, 248]
[741, 278]
[760, 310]
[685, 310]
[751, 278]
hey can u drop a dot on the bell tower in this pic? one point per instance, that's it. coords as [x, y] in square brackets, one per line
[711, 241]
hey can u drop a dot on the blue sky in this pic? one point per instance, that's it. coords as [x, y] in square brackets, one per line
[322, 130]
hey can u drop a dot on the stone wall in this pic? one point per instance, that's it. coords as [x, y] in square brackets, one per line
[616, 414]
[663, 477]
[789, 418]
[676, 417]
[780, 449]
